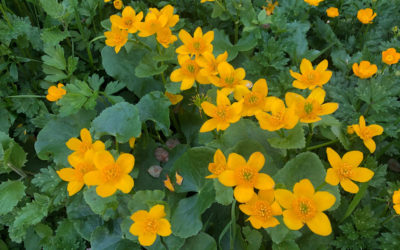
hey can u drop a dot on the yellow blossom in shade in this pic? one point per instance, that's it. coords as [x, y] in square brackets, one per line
[128, 21]
[350, 130]
[118, 4]
[196, 45]
[221, 115]
[367, 132]
[156, 20]
[82, 146]
[168, 12]
[229, 78]
[311, 108]
[245, 176]
[106, 1]
[203, 1]
[168, 184]
[365, 69]
[311, 78]
[332, 12]
[174, 99]
[280, 117]
[366, 15]
[209, 64]
[188, 73]
[254, 100]
[305, 206]
[178, 179]
[269, 10]
[396, 201]
[116, 38]
[218, 166]
[132, 141]
[345, 170]
[390, 56]
[262, 208]
[147, 225]
[165, 37]
[56, 93]
[313, 2]
[74, 175]
[111, 175]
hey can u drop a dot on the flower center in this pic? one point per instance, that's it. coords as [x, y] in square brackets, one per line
[111, 172]
[128, 22]
[252, 99]
[263, 209]
[151, 226]
[311, 76]
[190, 68]
[308, 107]
[304, 208]
[221, 112]
[245, 175]
[345, 171]
[365, 134]
[196, 45]
[229, 80]
[389, 58]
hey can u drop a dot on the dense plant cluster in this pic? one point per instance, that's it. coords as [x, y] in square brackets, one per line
[204, 124]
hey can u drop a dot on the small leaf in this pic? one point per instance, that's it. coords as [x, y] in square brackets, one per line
[200, 242]
[223, 194]
[11, 192]
[105, 207]
[253, 237]
[293, 139]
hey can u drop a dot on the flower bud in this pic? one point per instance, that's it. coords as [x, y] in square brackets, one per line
[161, 154]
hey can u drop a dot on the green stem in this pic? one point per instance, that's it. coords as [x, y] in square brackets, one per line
[16, 170]
[5, 16]
[163, 243]
[321, 145]
[116, 145]
[26, 96]
[233, 225]
[320, 186]
[310, 133]
[162, 63]
[388, 219]
[357, 198]
[86, 38]
[96, 38]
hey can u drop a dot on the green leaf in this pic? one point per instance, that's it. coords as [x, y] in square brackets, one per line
[114, 87]
[149, 67]
[293, 139]
[55, 57]
[155, 107]
[120, 120]
[11, 192]
[223, 194]
[72, 64]
[53, 8]
[14, 156]
[222, 43]
[105, 207]
[145, 199]
[281, 233]
[102, 238]
[253, 237]
[95, 81]
[53, 36]
[50, 183]
[200, 242]
[78, 96]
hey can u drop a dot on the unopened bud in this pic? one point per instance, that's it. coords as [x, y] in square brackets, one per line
[155, 171]
[172, 143]
[161, 154]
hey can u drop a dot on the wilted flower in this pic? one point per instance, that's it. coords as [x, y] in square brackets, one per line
[155, 171]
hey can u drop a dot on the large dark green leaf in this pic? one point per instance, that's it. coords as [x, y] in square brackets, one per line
[11, 192]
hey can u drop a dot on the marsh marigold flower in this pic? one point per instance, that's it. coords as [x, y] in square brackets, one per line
[196, 45]
[80, 147]
[311, 78]
[165, 37]
[311, 108]
[332, 12]
[187, 73]
[128, 21]
[111, 175]
[269, 9]
[56, 93]
[209, 64]
[147, 225]
[203, 1]
[396, 201]
[168, 12]
[280, 117]
[367, 132]
[305, 206]
[245, 176]
[74, 175]
[221, 115]
[174, 99]
[365, 69]
[229, 78]
[366, 15]
[116, 38]
[156, 20]
[390, 56]
[118, 4]
[262, 208]
[218, 166]
[346, 170]
[254, 100]
[313, 2]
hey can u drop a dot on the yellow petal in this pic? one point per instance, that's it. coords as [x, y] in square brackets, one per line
[105, 190]
[74, 144]
[85, 136]
[349, 186]
[246, 209]
[317, 94]
[219, 157]
[264, 181]
[208, 37]
[293, 99]
[375, 129]
[227, 178]
[295, 75]
[276, 209]
[137, 228]
[305, 66]
[178, 179]
[209, 125]
[99, 146]
[164, 227]
[396, 209]
[320, 224]
[300, 84]
[176, 75]
[354, 158]
[328, 108]
[67, 174]
[362, 174]
[209, 108]
[235, 161]
[284, 198]
[261, 87]
[255, 222]
[74, 187]
[187, 83]
[168, 184]
[267, 195]
[185, 36]
[240, 74]
[370, 144]
[272, 222]
[125, 183]
[140, 215]
[240, 91]
[291, 221]
[147, 239]
[322, 66]
[256, 161]
[304, 188]
[126, 162]
[93, 178]
[222, 100]
[334, 158]
[243, 193]
[103, 159]
[324, 200]
[331, 177]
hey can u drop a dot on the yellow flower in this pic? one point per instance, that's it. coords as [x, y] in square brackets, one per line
[229, 78]
[350, 130]
[106, 1]
[365, 69]
[168, 184]
[262, 208]
[74, 175]
[148, 224]
[165, 37]
[222, 115]
[254, 100]
[345, 170]
[310, 78]
[56, 93]
[390, 56]
[313, 2]
[82, 146]
[118, 4]
[310, 109]
[168, 12]
[396, 201]
[132, 141]
[305, 206]
[366, 15]
[270, 7]
[332, 12]
[111, 175]
[196, 45]
[280, 117]
[178, 179]
[128, 21]
[367, 132]
[174, 99]
[116, 38]
[218, 166]
[156, 20]
[203, 1]
[209, 64]
[188, 73]
[245, 176]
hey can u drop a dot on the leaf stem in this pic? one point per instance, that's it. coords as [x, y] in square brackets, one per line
[233, 225]
[26, 96]
[357, 198]
[321, 145]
